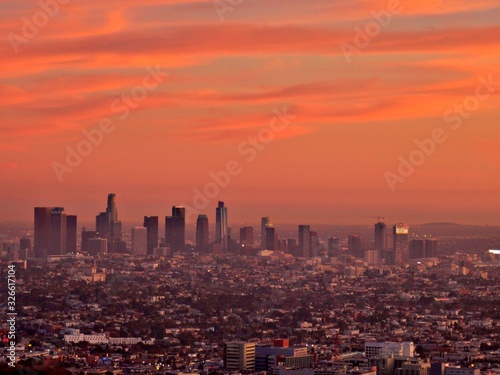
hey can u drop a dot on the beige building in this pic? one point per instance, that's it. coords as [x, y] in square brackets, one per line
[239, 356]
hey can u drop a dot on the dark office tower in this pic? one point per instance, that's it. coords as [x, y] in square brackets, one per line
[431, 248]
[246, 236]
[115, 226]
[58, 228]
[86, 236]
[102, 224]
[400, 243]
[178, 211]
[107, 223]
[175, 227]
[263, 223]
[42, 231]
[116, 231]
[271, 238]
[380, 237]
[151, 224]
[71, 224]
[416, 249]
[354, 246]
[221, 226]
[314, 244]
[97, 246]
[202, 235]
[333, 247]
[305, 241]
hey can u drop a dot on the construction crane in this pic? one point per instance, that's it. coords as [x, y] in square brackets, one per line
[376, 217]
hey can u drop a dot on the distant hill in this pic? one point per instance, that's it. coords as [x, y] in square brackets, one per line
[442, 224]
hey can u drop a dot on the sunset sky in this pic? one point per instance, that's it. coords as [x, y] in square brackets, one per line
[225, 71]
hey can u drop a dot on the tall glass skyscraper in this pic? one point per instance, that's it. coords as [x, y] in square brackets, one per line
[264, 222]
[355, 246]
[175, 227]
[42, 231]
[271, 238]
[202, 234]
[151, 224]
[380, 237]
[221, 232]
[400, 243]
[51, 232]
[107, 223]
[246, 236]
[305, 241]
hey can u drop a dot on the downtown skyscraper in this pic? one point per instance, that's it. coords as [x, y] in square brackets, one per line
[139, 241]
[380, 237]
[422, 248]
[315, 246]
[355, 246]
[202, 235]
[42, 231]
[109, 227]
[304, 241]
[221, 228]
[151, 224]
[264, 222]
[58, 231]
[175, 229]
[416, 249]
[400, 244]
[107, 223]
[271, 237]
[71, 233]
[54, 233]
[246, 236]
[333, 246]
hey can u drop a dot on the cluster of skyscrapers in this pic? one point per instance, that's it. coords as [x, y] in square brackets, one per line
[56, 234]
[396, 248]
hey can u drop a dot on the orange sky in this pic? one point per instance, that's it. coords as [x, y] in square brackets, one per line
[224, 75]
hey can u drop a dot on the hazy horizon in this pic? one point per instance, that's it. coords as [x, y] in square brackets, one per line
[86, 214]
[308, 112]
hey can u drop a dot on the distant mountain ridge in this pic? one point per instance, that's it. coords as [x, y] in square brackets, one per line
[441, 224]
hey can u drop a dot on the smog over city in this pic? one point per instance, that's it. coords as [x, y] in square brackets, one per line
[222, 187]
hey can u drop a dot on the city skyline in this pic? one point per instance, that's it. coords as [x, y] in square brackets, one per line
[55, 234]
[256, 220]
[331, 110]
[221, 187]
